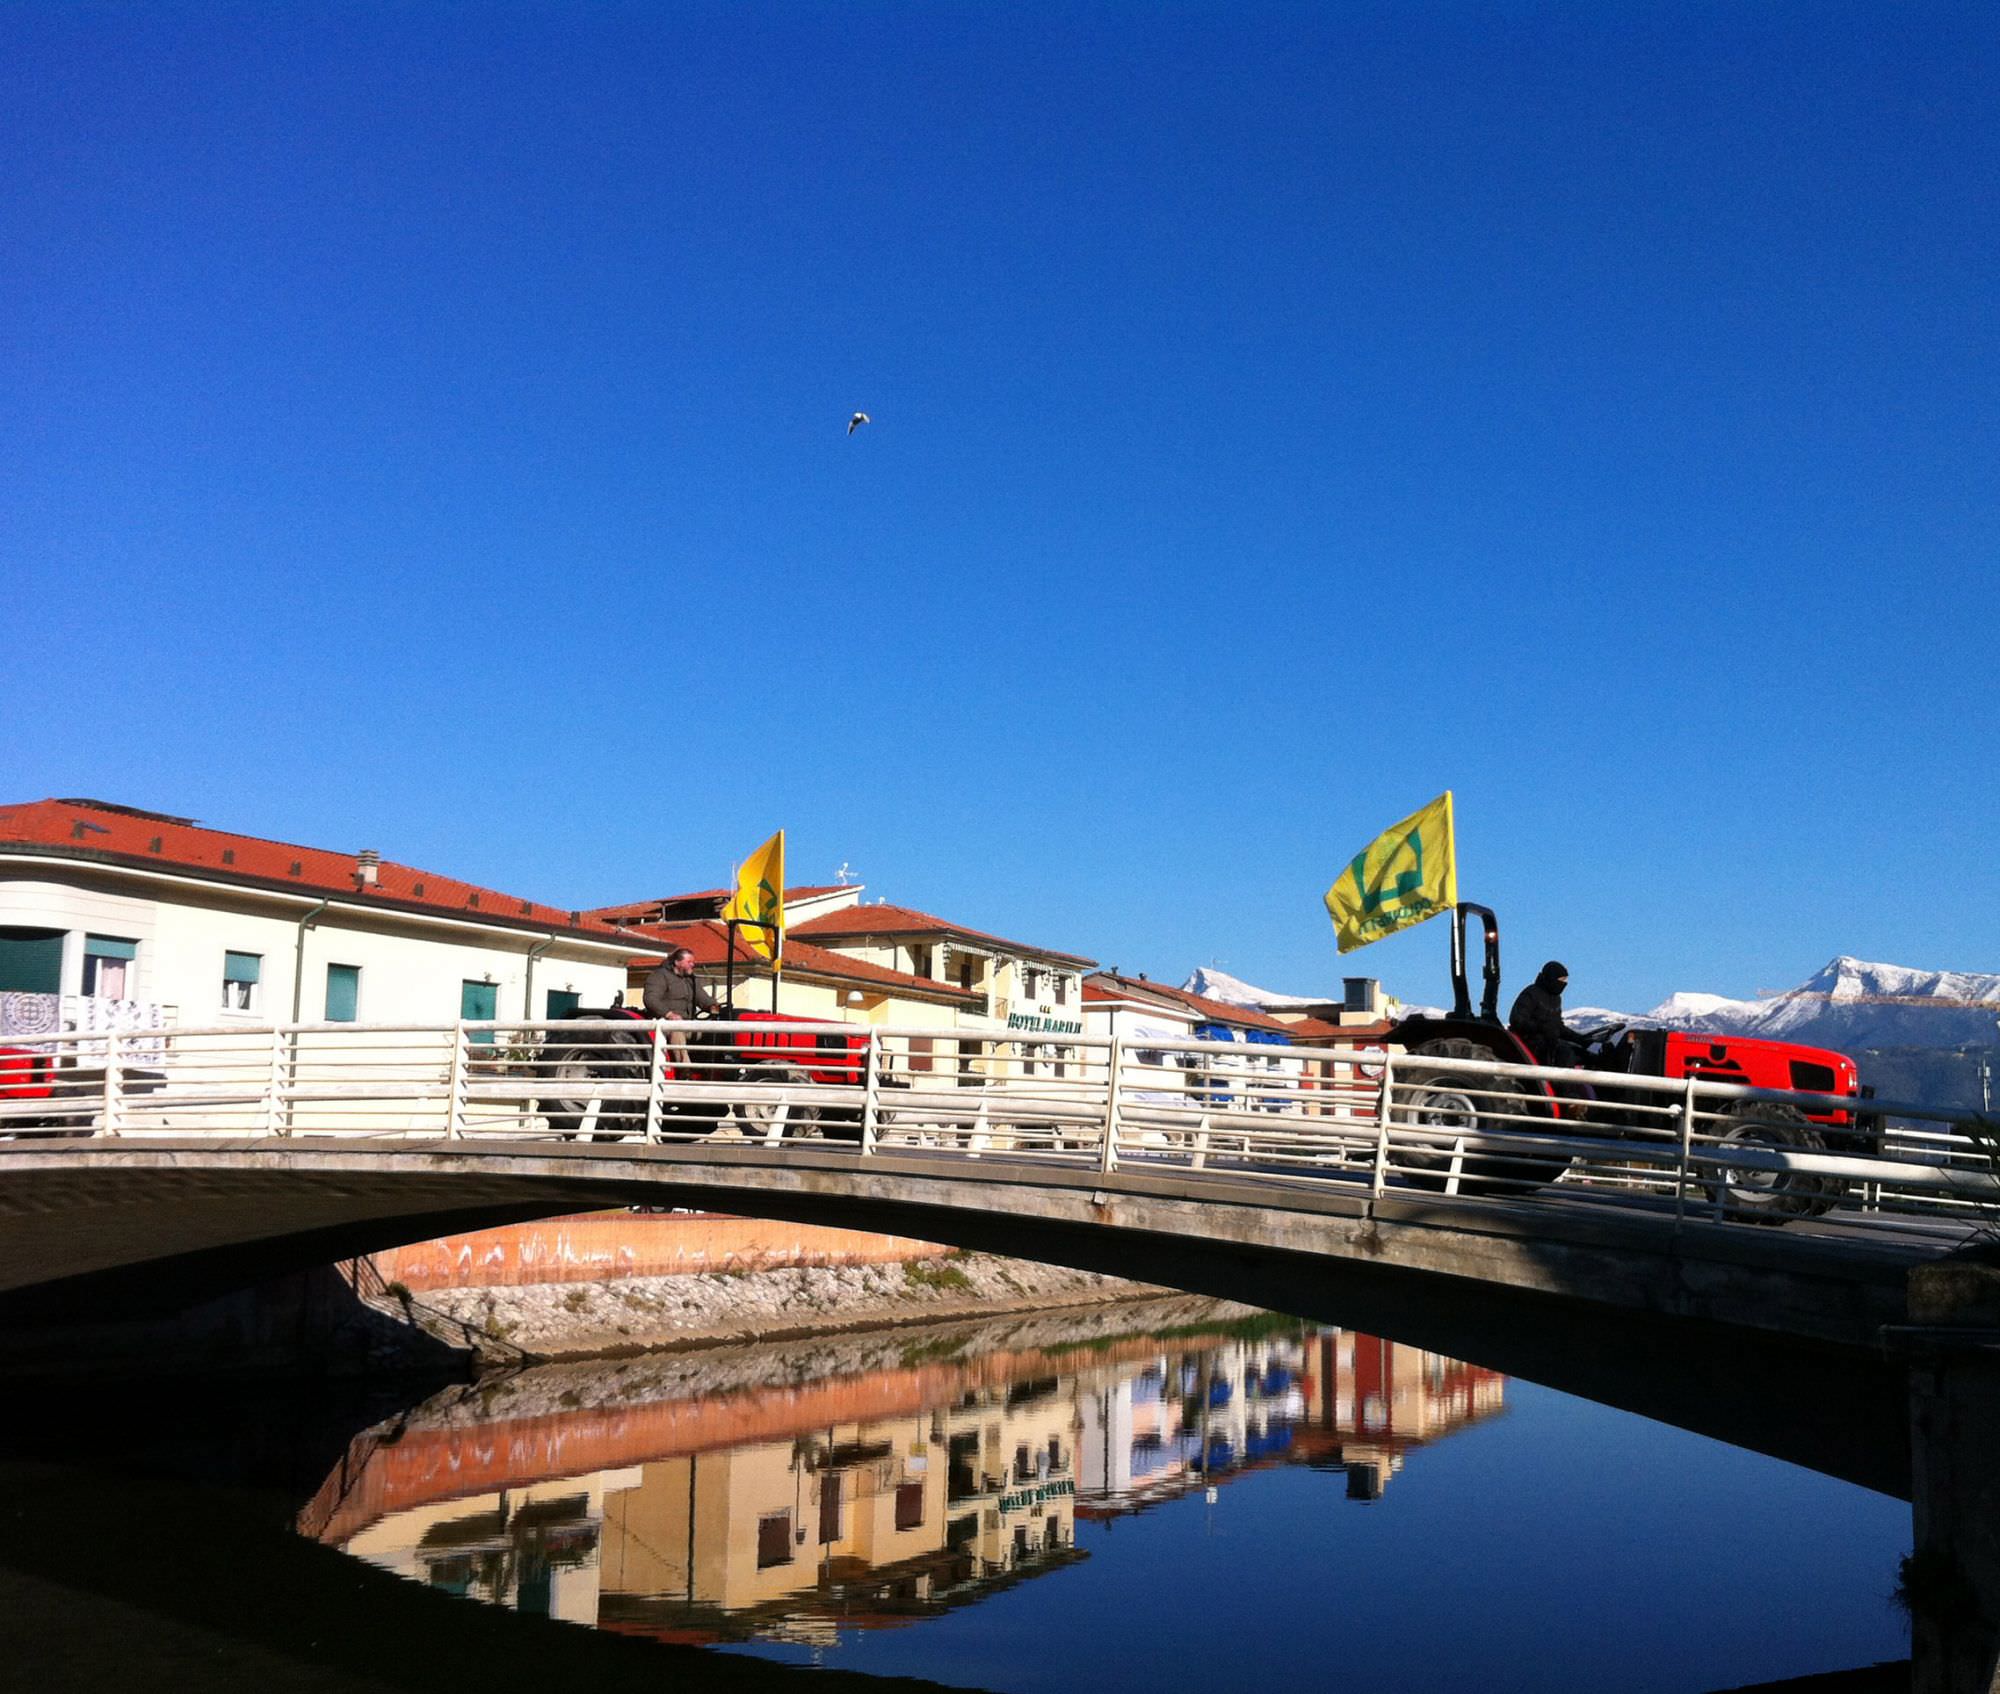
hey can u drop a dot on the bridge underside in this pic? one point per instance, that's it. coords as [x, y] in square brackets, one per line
[1770, 1342]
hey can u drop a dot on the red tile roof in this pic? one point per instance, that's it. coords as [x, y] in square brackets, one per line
[709, 942]
[97, 832]
[856, 921]
[1214, 1011]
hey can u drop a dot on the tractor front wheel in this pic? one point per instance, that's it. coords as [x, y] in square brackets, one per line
[801, 1116]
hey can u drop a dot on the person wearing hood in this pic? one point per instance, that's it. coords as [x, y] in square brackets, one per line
[1537, 1018]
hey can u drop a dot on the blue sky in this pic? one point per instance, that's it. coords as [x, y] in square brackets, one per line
[423, 429]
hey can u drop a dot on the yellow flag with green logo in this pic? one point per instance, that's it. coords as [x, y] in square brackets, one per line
[1406, 874]
[759, 901]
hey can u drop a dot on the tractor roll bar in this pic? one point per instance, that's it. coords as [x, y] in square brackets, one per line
[1489, 1000]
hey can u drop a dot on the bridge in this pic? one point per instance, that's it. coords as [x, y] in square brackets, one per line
[1692, 1249]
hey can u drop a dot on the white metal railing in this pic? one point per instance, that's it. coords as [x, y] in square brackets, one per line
[1383, 1121]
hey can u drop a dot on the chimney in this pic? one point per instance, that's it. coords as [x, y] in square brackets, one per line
[366, 868]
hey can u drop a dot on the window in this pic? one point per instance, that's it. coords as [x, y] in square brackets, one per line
[910, 1505]
[774, 1539]
[829, 1508]
[1062, 989]
[562, 1002]
[1033, 978]
[478, 1001]
[109, 968]
[240, 973]
[920, 961]
[343, 993]
[31, 961]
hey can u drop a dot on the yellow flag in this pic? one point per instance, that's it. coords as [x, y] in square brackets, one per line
[1406, 874]
[759, 901]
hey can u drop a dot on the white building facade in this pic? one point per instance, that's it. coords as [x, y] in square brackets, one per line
[107, 907]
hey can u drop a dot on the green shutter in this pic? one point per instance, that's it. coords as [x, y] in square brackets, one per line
[109, 947]
[31, 961]
[478, 1001]
[241, 967]
[562, 1001]
[343, 993]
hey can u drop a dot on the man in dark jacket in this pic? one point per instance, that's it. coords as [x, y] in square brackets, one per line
[672, 991]
[1537, 1018]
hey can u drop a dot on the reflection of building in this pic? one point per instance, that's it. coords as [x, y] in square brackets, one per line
[1334, 1400]
[534, 1549]
[1188, 1418]
[855, 1523]
[1370, 1400]
[863, 1502]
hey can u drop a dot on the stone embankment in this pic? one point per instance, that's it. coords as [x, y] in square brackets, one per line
[712, 1374]
[640, 1314]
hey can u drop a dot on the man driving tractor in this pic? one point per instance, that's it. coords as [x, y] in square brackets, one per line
[1537, 1018]
[673, 992]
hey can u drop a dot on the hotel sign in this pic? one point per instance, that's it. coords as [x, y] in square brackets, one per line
[1044, 1019]
[1022, 1498]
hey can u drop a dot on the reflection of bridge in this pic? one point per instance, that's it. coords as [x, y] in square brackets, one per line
[1430, 1200]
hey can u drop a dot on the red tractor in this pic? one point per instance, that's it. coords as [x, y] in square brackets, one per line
[779, 1050]
[39, 1092]
[1442, 1099]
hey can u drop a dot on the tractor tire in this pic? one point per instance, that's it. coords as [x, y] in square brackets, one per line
[573, 1083]
[1773, 1197]
[1470, 1105]
[570, 1092]
[801, 1121]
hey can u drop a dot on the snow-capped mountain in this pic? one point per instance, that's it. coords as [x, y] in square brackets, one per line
[1848, 1004]
[1851, 1004]
[1234, 991]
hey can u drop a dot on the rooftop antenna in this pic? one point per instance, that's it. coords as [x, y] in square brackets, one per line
[844, 875]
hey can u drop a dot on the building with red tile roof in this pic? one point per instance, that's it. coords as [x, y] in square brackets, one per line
[857, 985]
[224, 926]
[847, 959]
[884, 922]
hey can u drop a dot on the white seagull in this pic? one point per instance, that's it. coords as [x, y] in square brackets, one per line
[857, 421]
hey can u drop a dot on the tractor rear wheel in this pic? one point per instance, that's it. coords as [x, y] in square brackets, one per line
[571, 1087]
[1770, 1196]
[1466, 1103]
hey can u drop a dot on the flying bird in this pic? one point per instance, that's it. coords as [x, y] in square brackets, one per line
[857, 421]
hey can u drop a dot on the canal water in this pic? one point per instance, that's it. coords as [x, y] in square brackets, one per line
[1182, 1495]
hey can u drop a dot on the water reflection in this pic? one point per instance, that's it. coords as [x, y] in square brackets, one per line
[873, 1483]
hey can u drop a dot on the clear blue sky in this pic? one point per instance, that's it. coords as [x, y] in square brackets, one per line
[422, 428]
